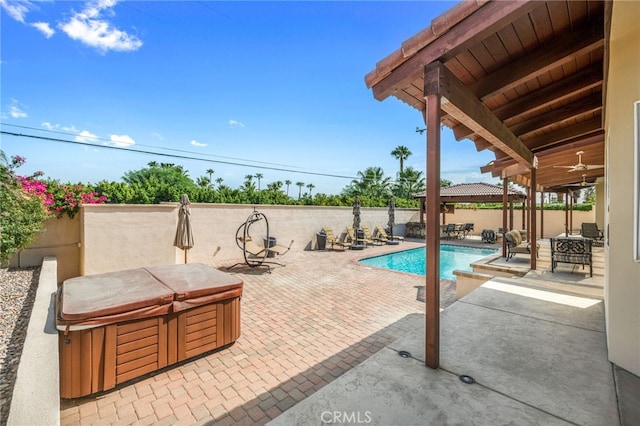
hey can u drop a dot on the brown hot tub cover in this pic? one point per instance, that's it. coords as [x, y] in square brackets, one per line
[112, 297]
[196, 284]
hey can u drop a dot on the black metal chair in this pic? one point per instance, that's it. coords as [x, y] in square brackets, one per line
[590, 230]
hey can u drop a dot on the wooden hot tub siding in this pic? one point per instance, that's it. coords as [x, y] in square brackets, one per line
[99, 358]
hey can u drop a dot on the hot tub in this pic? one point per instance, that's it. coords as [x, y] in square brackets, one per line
[117, 326]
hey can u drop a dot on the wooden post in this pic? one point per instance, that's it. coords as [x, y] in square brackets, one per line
[566, 214]
[571, 213]
[532, 218]
[432, 285]
[505, 200]
[511, 214]
[524, 207]
[542, 215]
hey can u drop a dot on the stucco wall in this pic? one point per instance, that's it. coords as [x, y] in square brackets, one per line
[120, 237]
[104, 238]
[61, 239]
[622, 275]
[554, 220]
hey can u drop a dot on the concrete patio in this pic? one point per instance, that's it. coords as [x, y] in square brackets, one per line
[322, 335]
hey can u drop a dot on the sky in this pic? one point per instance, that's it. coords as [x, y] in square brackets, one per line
[275, 88]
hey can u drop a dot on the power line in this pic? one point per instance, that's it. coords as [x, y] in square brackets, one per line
[183, 157]
[97, 138]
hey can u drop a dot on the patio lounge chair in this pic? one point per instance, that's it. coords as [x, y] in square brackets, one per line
[355, 240]
[331, 239]
[382, 234]
[368, 236]
[590, 230]
[515, 245]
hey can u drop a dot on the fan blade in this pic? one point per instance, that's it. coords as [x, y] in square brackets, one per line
[565, 167]
[593, 167]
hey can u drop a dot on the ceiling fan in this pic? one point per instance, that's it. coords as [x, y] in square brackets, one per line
[582, 184]
[580, 167]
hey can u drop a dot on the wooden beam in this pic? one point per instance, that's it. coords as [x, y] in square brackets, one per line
[579, 143]
[432, 230]
[579, 82]
[466, 108]
[575, 109]
[487, 20]
[563, 49]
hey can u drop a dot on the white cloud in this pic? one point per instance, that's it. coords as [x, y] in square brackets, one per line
[48, 125]
[16, 112]
[158, 135]
[122, 140]
[234, 123]
[44, 28]
[86, 136]
[196, 143]
[16, 9]
[89, 28]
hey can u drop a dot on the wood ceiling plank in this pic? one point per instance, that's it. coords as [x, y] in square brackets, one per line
[494, 48]
[559, 15]
[488, 19]
[588, 104]
[563, 49]
[577, 83]
[542, 24]
[463, 105]
[577, 12]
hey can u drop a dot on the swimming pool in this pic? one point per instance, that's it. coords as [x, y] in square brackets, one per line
[413, 261]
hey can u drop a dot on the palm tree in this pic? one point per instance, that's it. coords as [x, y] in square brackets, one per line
[203, 181]
[410, 181]
[287, 182]
[259, 176]
[310, 186]
[300, 185]
[210, 173]
[219, 181]
[153, 164]
[401, 153]
[372, 183]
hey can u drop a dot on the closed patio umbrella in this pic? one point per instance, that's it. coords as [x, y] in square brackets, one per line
[392, 216]
[356, 213]
[184, 234]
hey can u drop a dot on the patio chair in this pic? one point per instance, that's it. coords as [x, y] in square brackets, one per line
[378, 241]
[331, 239]
[356, 239]
[451, 231]
[572, 250]
[254, 254]
[466, 230]
[489, 236]
[590, 230]
[515, 245]
[382, 234]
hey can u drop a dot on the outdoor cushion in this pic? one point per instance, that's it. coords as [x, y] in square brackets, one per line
[103, 295]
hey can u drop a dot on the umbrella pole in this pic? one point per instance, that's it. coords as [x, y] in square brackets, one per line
[185, 255]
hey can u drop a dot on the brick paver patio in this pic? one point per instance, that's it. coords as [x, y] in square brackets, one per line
[303, 325]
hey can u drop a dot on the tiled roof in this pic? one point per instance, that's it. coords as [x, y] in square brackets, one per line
[471, 190]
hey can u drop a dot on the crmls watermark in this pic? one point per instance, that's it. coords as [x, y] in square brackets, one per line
[351, 417]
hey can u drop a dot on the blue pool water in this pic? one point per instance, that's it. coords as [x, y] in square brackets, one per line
[414, 261]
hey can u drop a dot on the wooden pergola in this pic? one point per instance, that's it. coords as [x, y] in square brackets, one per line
[521, 78]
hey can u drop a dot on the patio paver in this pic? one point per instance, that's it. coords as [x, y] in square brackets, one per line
[303, 326]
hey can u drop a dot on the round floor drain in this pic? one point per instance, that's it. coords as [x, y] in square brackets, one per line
[404, 354]
[468, 380]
